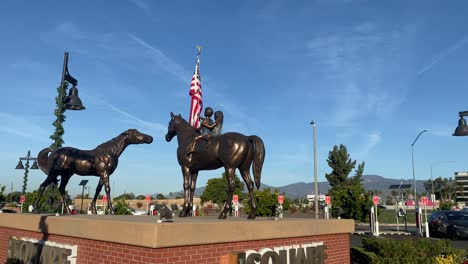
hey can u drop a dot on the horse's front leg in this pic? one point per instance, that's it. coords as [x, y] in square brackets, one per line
[230, 177]
[96, 194]
[110, 208]
[186, 209]
[193, 185]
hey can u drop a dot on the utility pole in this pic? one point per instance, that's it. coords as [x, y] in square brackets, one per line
[316, 199]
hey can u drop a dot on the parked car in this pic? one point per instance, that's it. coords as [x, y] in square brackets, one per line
[7, 211]
[449, 223]
[137, 212]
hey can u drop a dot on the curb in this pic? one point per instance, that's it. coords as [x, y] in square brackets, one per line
[382, 233]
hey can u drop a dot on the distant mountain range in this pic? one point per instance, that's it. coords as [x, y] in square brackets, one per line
[301, 189]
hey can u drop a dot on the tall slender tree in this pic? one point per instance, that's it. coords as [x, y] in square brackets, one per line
[349, 198]
[341, 164]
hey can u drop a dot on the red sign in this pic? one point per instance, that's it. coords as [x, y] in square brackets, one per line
[104, 198]
[22, 199]
[147, 198]
[375, 200]
[328, 199]
[424, 200]
[280, 199]
[235, 198]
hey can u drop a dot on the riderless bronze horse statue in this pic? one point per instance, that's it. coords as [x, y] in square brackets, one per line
[229, 150]
[101, 161]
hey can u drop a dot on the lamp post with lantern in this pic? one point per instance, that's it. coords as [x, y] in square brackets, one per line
[26, 168]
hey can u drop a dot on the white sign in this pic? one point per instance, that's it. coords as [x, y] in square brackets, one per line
[24, 250]
[306, 253]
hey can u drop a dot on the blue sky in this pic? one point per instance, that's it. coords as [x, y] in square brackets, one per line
[371, 74]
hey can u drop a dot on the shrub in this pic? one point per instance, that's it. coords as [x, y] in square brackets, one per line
[421, 251]
[13, 205]
[121, 207]
[360, 255]
[208, 209]
[446, 205]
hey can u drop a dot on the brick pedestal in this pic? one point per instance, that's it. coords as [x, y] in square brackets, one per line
[139, 239]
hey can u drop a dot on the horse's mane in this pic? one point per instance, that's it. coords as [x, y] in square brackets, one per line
[184, 122]
[115, 145]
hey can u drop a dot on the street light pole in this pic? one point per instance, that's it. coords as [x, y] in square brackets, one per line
[26, 169]
[316, 199]
[416, 206]
[82, 183]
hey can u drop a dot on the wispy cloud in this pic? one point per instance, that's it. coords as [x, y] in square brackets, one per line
[105, 46]
[443, 54]
[372, 140]
[162, 60]
[28, 65]
[442, 131]
[22, 127]
[158, 128]
[141, 4]
[358, 65]
[124, 46]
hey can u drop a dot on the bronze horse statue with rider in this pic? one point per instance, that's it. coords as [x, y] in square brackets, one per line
[101, 161]
[229, 150]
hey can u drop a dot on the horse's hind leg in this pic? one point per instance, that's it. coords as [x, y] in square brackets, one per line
[186, 209]
[63, 183]
[248, 181]
[230, 177]
[96, 194]
[50, 179]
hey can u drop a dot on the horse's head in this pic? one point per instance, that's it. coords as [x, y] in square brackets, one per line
[172, 128]
[134, 136]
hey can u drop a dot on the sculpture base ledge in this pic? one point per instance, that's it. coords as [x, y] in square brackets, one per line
[141, 239]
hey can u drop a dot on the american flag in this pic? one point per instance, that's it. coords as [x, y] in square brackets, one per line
[196, 95]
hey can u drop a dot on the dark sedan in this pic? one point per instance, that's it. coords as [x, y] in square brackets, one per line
[451, 224]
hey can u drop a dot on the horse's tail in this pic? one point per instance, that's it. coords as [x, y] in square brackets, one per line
[42, 159]
[259, 152]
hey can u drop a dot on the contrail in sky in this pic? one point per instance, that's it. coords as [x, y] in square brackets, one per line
[442, 55]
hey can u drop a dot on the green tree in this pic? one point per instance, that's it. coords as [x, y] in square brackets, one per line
[160, 196]
[216, 190]
[121, 207]
[341, 164]
[2, 193]
[140, 197]
[444, 188]
[85, 196]
[46, 203]
[349, 198]
[14, 196]
[126, 196]
[266, 202]
[351, 202]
